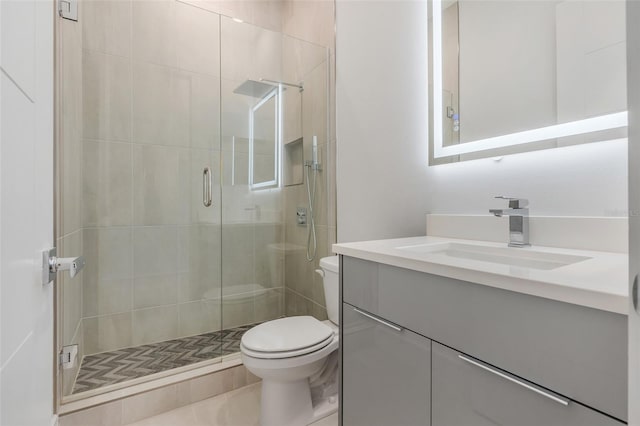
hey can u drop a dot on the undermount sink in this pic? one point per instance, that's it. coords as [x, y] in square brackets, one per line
[522, 257]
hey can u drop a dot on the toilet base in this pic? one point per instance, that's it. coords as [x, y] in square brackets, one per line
[285, 403]
[289, 404]
[325, 408]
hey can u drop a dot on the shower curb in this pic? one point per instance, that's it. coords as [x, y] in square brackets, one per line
[140, 401]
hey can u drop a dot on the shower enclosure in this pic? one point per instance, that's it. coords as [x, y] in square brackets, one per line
[182, 135]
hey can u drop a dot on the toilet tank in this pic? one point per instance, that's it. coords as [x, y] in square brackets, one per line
[331, 284]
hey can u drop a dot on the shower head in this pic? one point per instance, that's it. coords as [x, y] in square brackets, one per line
[254, 89]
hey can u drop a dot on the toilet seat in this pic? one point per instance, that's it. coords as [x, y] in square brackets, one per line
[286, 338]
[286, 354]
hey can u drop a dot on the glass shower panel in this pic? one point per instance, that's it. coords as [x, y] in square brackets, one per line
[252, 228]
[140, 109]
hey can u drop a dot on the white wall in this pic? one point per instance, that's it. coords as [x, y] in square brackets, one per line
[26, 211]
[381, 90]
[384, 185]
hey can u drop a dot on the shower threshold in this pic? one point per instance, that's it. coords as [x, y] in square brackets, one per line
[109, 368]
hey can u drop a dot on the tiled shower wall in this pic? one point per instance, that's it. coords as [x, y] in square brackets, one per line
[140, 119]
[304, 295]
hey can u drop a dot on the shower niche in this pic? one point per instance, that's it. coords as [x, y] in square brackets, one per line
[293, 163]
[166, 118]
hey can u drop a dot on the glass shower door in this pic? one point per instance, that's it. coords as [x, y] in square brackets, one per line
[252, 220]
[138, 160]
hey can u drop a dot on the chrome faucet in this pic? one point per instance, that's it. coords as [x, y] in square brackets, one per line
[518, 220]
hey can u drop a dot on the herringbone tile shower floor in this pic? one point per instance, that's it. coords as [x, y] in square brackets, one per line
[108, 368]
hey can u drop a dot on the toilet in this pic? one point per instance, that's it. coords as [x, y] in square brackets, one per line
[297, 360]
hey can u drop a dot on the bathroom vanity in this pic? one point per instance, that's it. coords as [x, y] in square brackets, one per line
[449, 332]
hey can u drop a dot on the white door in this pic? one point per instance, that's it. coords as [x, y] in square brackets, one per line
[633, 96]
[26, 211]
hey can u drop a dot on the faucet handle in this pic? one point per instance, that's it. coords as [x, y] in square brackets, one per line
[514, 203]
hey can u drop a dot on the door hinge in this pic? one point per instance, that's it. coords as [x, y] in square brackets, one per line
[68, 9]
[68, 356]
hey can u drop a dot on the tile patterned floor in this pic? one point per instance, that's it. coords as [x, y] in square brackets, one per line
[240, 407]
[112, 367]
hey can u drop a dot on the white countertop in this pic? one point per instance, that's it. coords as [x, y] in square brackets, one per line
[600, 282]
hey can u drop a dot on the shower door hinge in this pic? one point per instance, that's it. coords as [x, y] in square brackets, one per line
[68, 9]
[68, 356]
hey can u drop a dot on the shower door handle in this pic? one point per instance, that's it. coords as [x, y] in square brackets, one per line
[207, 199]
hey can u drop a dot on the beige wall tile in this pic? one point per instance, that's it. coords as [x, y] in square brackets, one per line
[269, 305]
[200, 263]
[159, 178]
[108, 252]
[155, 250]
[149, 404]
[106, 296]
[237, 311]
[102, 415]
[310, 20]
[238, 255]
[69, 157]
[268, 255]
[107, 184]
[198, 317]
[107, 333]
[106, 26]
[155, 324]
[197, 39]
[155, 290]
[249, 52]
[106, 92]
[159, 104]
[301, 57]
[177, 108]
[154, 31]
[202, 94]
[267, 14]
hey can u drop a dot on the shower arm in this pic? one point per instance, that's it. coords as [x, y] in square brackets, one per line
[298, 86]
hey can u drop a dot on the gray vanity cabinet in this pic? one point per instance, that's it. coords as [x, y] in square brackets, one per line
[468, 392]
[577, 353]
[386, 373]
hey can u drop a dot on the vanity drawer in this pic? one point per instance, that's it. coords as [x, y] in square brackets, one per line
[468, 392]
[360, 283]
[386, 373]
[576, 351]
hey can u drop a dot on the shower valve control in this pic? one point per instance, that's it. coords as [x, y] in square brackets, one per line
[301, 215]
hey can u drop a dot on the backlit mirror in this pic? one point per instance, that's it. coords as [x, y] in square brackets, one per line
[264, 141]
[508, 76]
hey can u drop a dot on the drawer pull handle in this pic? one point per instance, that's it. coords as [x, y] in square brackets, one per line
[536, 389]
[380, 320]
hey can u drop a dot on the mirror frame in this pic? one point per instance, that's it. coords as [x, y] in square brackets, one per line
[277, 92]
[594, 124]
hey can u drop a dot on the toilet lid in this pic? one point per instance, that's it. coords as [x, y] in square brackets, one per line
[287, 354]
[287, 335]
